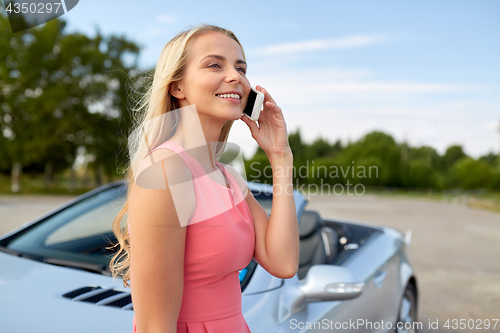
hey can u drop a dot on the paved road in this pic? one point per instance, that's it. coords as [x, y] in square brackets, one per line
[18, 209]
[455, 249]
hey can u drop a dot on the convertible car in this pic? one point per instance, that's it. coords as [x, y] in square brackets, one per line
[54, 274]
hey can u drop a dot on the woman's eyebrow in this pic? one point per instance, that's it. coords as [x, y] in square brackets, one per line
[222, 58]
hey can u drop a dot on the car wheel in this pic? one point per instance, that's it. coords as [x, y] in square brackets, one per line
[407, 311]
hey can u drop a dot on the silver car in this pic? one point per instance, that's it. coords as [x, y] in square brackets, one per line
[54, 274]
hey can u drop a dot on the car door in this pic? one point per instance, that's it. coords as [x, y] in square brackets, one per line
[376, 264]
[375, 309]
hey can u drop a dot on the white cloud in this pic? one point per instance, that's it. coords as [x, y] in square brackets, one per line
[302, 77]
[493, 126]
[320, 44]
[166, 18]
[327, 85]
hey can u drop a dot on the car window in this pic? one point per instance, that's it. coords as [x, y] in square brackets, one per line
[266, 204]
[80, 232]
[91, 223]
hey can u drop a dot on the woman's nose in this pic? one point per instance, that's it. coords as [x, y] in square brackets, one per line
[233, 75]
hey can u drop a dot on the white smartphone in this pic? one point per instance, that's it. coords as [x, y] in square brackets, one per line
[254, 104]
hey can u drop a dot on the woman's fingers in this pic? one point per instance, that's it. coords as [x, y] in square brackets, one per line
[267, 96]
[275, 110]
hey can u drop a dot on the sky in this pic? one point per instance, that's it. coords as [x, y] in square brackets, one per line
[425, 72]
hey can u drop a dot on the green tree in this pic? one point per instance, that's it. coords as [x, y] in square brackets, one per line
[258, 169]
[378, 150]
[322, 148]
[297, 146]
[111, 124]
[421, 170]
[471, 174]
[491, 159]
[63, 92]
[452, 155]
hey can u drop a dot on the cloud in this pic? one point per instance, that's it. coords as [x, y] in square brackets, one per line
[308, 76]
[166, 18]
[492, 126]
[321, 44]
[333, 84]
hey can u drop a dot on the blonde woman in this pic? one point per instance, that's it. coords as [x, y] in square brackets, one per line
[192, 223]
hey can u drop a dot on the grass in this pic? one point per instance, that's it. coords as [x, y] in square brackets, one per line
[34, 184]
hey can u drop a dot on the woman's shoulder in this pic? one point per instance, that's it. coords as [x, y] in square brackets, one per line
[162, 169]
[160, 163]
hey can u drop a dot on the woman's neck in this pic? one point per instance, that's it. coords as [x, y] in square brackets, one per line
[194, 132]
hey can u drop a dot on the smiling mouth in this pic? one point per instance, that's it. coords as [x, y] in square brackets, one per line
[231, 98]
[228, 96]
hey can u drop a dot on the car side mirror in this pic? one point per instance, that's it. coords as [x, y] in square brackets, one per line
[321, 283]
[330, 283]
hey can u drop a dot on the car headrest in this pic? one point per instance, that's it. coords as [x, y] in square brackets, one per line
[310, 222]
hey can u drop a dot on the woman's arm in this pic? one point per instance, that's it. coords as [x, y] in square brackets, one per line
[277, 237]
[157, 243]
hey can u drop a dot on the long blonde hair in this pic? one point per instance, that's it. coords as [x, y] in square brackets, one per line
[154, 111]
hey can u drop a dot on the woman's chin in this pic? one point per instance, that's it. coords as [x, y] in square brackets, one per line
[233, 115]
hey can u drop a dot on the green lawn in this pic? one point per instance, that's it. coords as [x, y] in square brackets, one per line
[35, 185]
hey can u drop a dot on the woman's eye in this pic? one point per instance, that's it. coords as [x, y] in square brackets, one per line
[243, 70]
[214, 64]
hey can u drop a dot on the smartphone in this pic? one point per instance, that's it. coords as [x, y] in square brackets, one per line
[254, 104]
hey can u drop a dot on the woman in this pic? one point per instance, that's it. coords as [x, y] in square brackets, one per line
[183, 257]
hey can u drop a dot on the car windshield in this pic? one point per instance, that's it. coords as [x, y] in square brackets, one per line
[80, 235]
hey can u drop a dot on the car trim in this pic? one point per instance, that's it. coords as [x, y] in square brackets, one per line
[267, 290]
[100, 292]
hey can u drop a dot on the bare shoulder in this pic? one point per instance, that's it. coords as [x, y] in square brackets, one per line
[236, 175]
[169, 162]
[163, 177]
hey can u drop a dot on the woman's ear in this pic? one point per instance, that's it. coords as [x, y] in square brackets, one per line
[176, 91]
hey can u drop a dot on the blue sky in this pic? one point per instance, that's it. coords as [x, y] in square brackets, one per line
[423, 71]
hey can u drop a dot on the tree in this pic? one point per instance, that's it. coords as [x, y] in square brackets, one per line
[322, 148]
[297, 146]
[61, 92]
[490, 159]
[378, 150]
[452, 155]
[472, 174]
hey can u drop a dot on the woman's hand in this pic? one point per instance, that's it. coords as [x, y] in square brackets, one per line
[271, 134]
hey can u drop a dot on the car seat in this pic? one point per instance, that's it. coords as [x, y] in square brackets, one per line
[318, 243]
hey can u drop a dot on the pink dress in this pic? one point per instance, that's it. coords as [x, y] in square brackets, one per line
[222, 243]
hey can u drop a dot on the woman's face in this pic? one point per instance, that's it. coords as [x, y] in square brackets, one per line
[215, 66]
